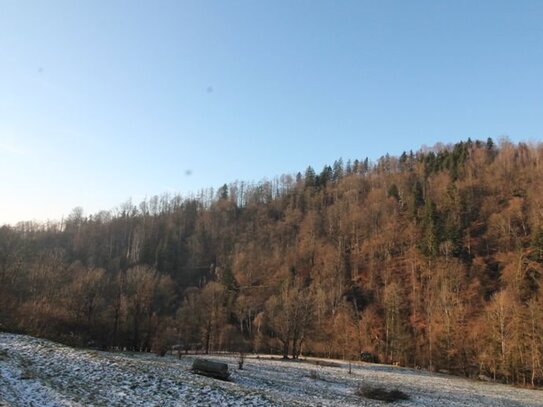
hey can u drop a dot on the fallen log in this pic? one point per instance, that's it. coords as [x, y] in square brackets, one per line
[216, 370]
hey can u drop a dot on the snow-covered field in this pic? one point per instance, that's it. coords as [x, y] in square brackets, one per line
[37, 372]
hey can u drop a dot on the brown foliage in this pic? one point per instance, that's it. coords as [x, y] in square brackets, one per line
[431, 259]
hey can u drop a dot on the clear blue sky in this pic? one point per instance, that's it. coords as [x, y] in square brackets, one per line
[105, 100]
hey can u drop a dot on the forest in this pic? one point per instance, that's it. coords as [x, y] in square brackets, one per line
[432, 259]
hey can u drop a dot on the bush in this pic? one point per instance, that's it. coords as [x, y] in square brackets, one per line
[163, 340]
[382, 394]
[369, 357]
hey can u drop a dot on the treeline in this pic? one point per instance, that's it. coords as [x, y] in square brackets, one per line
[430, 259]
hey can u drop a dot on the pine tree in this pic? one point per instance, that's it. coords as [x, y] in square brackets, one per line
[310, 177]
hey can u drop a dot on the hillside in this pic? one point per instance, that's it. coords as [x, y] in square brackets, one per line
[40, 373]
[432, 259]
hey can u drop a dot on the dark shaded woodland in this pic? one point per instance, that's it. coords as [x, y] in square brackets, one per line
[430, 259]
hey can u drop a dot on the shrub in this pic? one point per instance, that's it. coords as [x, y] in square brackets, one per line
[381, 393]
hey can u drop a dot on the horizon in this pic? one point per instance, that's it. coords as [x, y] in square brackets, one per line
[105, 102]
[212, 191]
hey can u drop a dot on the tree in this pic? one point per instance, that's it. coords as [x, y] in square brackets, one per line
[86, 295]
[223, 192]
[337, 170]
[138, 294]
[290, 315]
[212, 303]
[310, 177]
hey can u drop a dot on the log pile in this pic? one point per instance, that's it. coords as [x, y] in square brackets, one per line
[208, 368]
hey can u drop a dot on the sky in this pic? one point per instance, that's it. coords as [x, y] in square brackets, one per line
[102, 101]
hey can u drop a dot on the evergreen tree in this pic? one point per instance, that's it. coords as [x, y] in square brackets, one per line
[310, 177]
[223, 192]
[325, 176]
[337, 171]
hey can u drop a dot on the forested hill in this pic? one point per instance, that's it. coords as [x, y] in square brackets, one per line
[430, 259]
